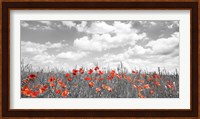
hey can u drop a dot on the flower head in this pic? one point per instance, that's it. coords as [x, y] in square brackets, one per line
[74, 72]
[151, 92]
[96, 68]
[35, 94]
[65, 93]
[98, 89]
[32, 76]
[52, 79]
[100, 72]
[91, 84]
[81, 70]
[58, 91]
[26, 91]
[67, 75]
[87, 78]
[146, 86]
[90, 71]
[134, 72]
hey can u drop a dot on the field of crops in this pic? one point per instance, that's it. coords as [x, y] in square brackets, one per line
[98, 83]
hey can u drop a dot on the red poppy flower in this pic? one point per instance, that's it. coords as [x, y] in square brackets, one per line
[51, 79]
[140, 95]
[169, 86]
[151, 92]
[37, 86]
[167, 82]
[91, 84]
[109, 88]
[60, 82]
[45, 86]
[146, 86]
[98, 89]
[96, 68]
[134, 72]
[128, 78]
[26, 91]
[157, 83]
[110, 77]
[81, 70]
[67, 75]
[104, 86]
[70, 79]
[156, 76]
[143, 75]
[34, 94]
[90, 71]
[63, 85]
[43, 89]
[149, 79]
[100, 72]
[112, 73]
[58, 91]
[101, 79]
[51, 84]
[140, 80]
[134, 86]
[139, 88]
[118, 76]
[32, 76]
[25, 80]
[87, 78]
[74, 72]
[65, 93]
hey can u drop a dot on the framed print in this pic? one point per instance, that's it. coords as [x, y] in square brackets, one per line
[102, 59]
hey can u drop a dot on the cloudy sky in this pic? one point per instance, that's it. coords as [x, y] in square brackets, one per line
[65, 44]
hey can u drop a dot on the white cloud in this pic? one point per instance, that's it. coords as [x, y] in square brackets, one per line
[31, 47]
[170, 26]
[163, 53]
[123, 28]
[165, 45]
[128, 53]
[43, 58]
[46, 26]
[105, 36]
[106, 41]
[99, 27]
[38, 48]
[55, 45]
[37, 54]
[153, 23]
[72, 55]
[45, 22]
[176, 23]
[38, 27]
[124, 35]
[82, 26]
[69, 24]
[143, 22]
[143, 61]
[24, 24]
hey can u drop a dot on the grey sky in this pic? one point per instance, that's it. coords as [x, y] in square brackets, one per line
[138, 44]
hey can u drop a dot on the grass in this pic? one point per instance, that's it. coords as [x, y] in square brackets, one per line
[111, 84]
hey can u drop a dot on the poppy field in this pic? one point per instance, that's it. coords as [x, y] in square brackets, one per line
[98, 83]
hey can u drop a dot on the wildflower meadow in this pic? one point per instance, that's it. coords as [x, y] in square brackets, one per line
[98, 83]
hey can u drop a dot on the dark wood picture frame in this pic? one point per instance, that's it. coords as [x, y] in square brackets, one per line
[7, 112]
